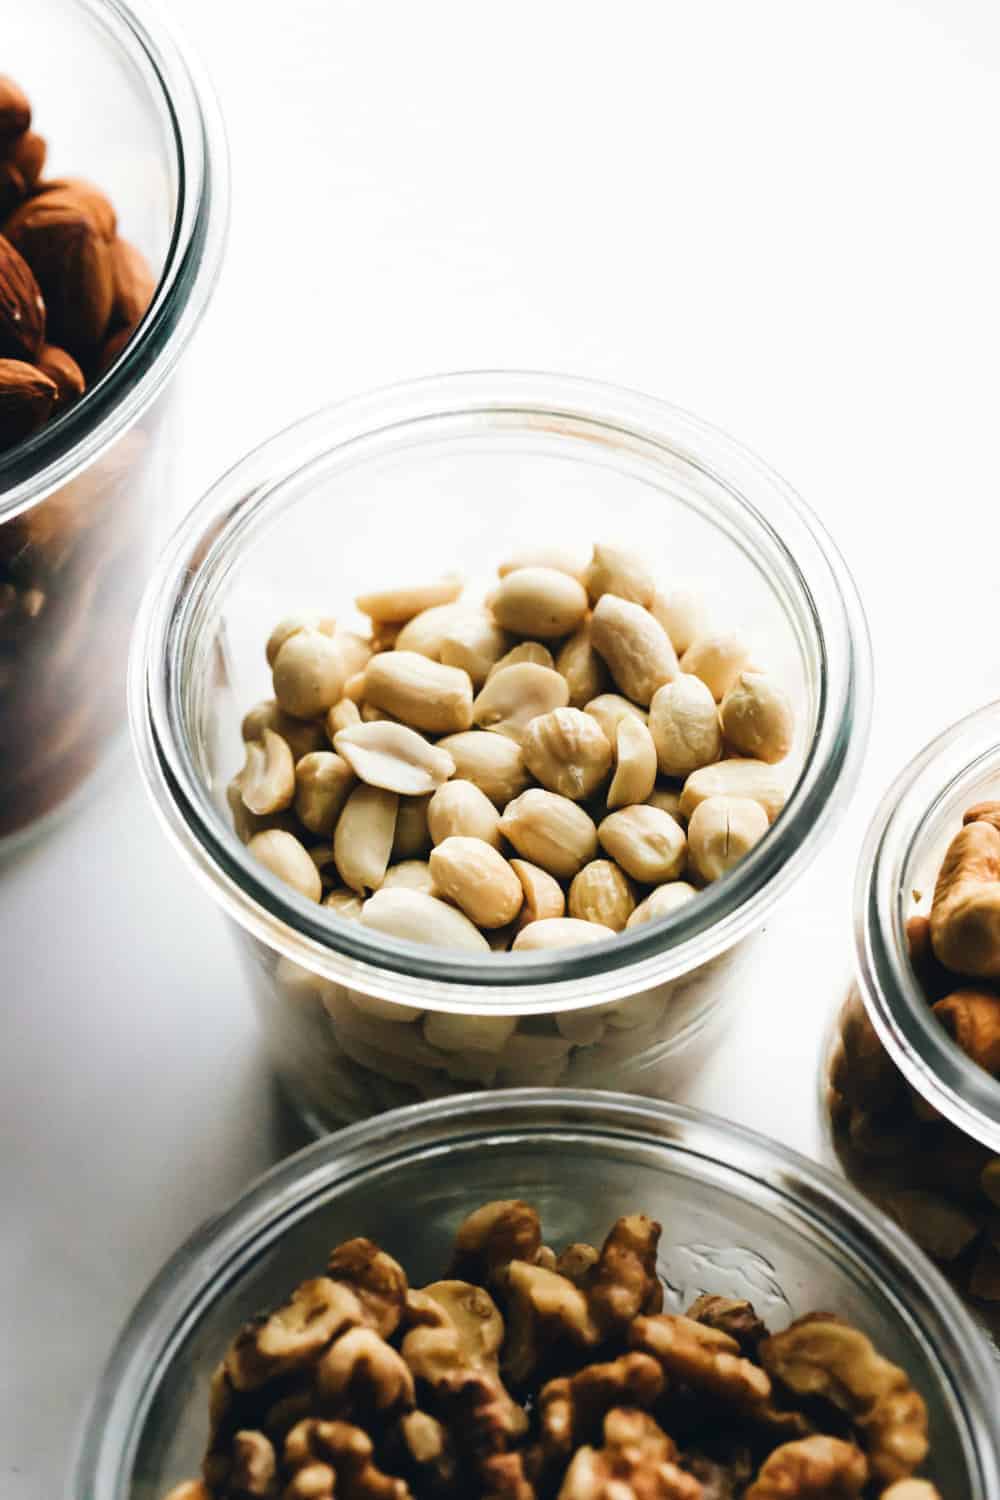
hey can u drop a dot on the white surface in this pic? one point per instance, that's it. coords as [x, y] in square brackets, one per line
[781, 215]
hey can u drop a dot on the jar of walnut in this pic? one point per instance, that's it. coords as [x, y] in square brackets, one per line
[87, 433]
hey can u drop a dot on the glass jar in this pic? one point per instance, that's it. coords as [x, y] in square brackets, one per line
[454, 473]
[80, 502]
[910, 1118]
[742, 1217]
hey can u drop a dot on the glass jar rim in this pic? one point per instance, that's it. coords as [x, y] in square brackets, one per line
[204, 547]
[215, 1254]
[928, 1057]
[35, 468]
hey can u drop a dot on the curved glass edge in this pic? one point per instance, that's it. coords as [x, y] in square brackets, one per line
[923, 1051]
[405, 971]
[911, 1283]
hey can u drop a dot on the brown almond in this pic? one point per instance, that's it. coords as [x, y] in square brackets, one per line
[12, 187]
[57, 235]
[28, 154]
[65, 374]
[22, 311]
[26, 399]
[15, 110]
[85, 194]
[112, 347]
[134, 285]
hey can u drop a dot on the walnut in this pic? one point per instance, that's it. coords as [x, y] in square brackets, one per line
[189, 1489]
[474, 1316]
[820, 1356]
[429, 1451]
[624, 1283]
[294, 1335]
[502, 1477]
[378, 1282]
[572, 1408]
[704, 1358]
[360, 1374]
[732, 1316]
[348, 1453]
[718, 1481]
[816, 1468]
[489, 1239]
[545, 1312]
[254, 1471]
[637, 1462]
[576, 1262]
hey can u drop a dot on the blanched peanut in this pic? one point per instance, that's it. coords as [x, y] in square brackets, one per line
[512, 698]
[647, 843]
[492, 762]
[539, 602]
[566, 751]
[419, 692]
[735, 778]
[684, 723]
[635, 769]
[661, 902]
[454, 1033]
[355, 652]
[267, 781]
[246, 823]
[354, 689]
[394, 757]
[425, 632]
[460, 808]
[635, 647]
[717, 660]
[322, 857]
[601, 893]
[290, 626]
[421, 919]
[550, 831]
[532, 651]
[614, 570]
[410, 875]
[372, 715]
[561, 558]
[609, 709]
[341, 716]
[543, 895]
[471, 873]
[308, 674]
[285, 857]
[362, 839]
[475, 643]
[411, 837]
[667, 799]
[300, 735]
[322, 784]
[757, 718]
[585, 673]
[558, 932]
[344, 903]
[682, 614]
[721, 831]
[396, 606]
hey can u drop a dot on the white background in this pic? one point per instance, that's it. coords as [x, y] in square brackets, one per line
[780, 214]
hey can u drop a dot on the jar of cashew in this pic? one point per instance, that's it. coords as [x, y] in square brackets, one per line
[910, 1075]
[496, 717]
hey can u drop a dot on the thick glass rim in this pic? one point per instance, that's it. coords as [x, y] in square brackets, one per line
[64, 448]
[813, 1198]
[921, 1048]
[201, 553]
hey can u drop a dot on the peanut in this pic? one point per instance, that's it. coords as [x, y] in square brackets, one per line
[341, 716]
[550, 831]
[532, 651]
[459, 807]
[492, 762]
[735, 778]
[412, 837]
[585, 673]
[721, 831]
[667, 799]
[288, 859]
[682, 614]
[420, 918]
[267, 781]
[718, 660]
[344, 903]
[397, 606]
[613, 570]
[322, 784]
[647, 843]
[411, 875]
[419, 692]
[456, 1033]
[661, 903]
[471, 873]
[539, 602]
[566, 751]
[601, 893]
[363, 837]
[684, 723]
[394, 757]
[757, 718]
[308, 674]
[475, 643]
[635, 647]
[512, 698]
[559, 932]
[543, 895]
[426, 631]
[635, 770]
[300, 735]
[290, 626]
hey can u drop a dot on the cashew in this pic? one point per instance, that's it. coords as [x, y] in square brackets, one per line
[531, 651]
[943, 1228]
[396, 606]
[344, 903]
[647, 843]
[410, 875]
[267, 781]
[459, 807]
[812, 1468]
[475, 643]
[290, 626]
[566, 750]
[471, 873]
[421, 919]
[965, 912]
[757, 718]
[735, 778]
[412, 837]
[601, 893]
[394, 757]
[512, 698]
[454, 1033]
[635, 770]
[363, 837]
[560, 558]
[721, 831]
[609, 709]
[285, 857]
[341, 716]
[426, 631]
[492, 762]
[682, 614]
[559, 932]
[550, 831]
[543, 895]
[300, 735]
[661, 903]
[635, 647]
[541, 603]
[613, 570]
[972, 1019]
[322, 784]
[308, 674]
[585, 673]
[718, 660]
[419, 692]
[684, 723]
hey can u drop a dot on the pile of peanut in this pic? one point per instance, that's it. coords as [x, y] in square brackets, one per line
[574, 756]
[527, 1375]
[938, 1183]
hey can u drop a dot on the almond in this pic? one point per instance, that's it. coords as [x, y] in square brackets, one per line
[58, 237]
[26, 398]
[15, 111]
[64, 372]
[22, 311]
[12, 187]
[86, 195]
[112, 348]
[27, 154]
[134, 284]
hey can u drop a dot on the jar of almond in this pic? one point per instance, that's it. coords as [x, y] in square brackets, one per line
[111, 227]
[910, 1079]
[497, 719]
